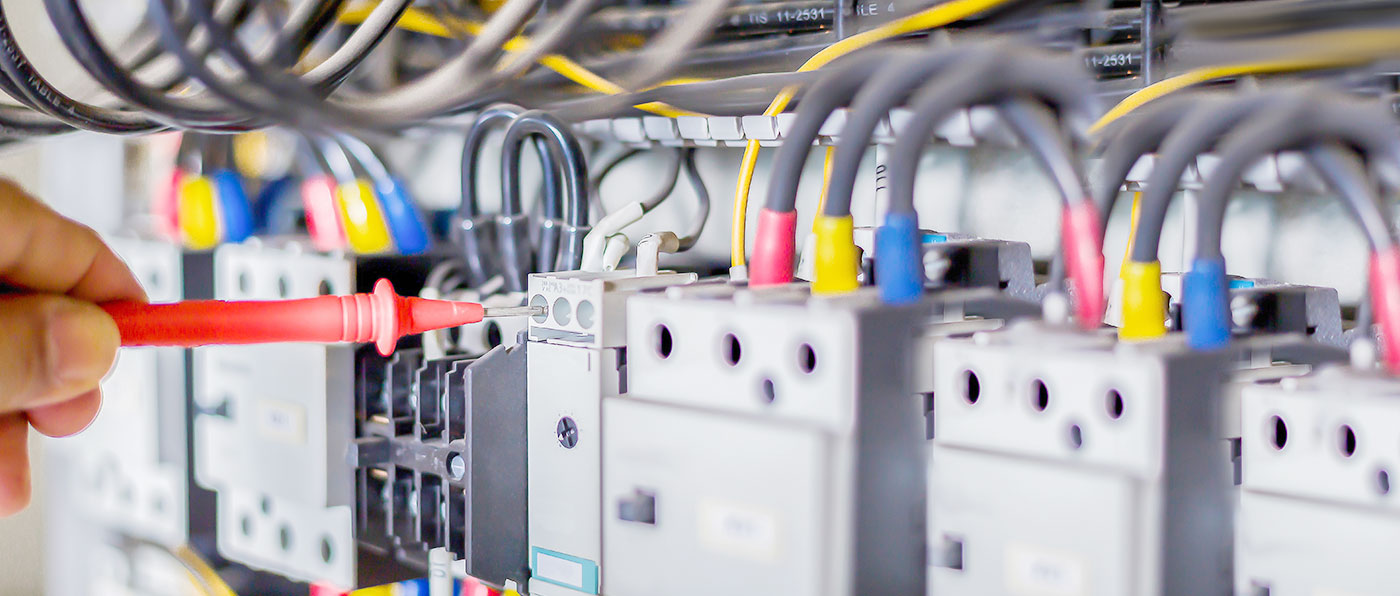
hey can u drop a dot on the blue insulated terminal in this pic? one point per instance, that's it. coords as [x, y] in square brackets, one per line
[1206, 305]
[405, 222]
[235, 210]
[898, 259]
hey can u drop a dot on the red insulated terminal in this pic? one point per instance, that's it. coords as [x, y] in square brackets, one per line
[774, 248]
[1083, 247]
[1385, 303]
[381, 317]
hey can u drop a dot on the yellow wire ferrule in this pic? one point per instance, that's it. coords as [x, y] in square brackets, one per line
[836, 258]
[1144, 304]
[364, 220]
[198, 214]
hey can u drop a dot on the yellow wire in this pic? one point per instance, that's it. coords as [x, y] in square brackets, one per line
[1132, 232]
[826, 181]
[418, 20]
[196, 565]
[1329, 49]
[930, 18]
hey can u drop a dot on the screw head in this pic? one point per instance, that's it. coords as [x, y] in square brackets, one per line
[567, 432]
[456, 466]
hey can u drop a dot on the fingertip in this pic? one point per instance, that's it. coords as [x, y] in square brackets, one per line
[14, 464]
[82, 346]
[66, 418]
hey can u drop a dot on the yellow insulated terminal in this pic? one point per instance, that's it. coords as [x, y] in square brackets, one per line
[199, 220]
[837, 259]
[1144, 304]
[364, 220]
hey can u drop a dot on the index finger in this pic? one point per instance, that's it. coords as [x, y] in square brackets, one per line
[43, 251]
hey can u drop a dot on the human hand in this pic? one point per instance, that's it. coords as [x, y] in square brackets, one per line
[55, 343]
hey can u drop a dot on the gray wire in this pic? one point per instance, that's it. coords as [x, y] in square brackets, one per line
[816, 105]
[693, 27]
[889, 88]
[1143, 133]
[702, 197]
[984, 77]
[1192, 135]
[1346, 173]
[1304, 119]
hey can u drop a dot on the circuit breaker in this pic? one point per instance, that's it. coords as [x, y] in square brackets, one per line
[577, 354]
[1070, 463]
[769, 442]
[1317, 515]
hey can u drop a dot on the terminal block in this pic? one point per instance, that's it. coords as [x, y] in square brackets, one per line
[1069, 463]
[1317, 513]
[770, 443]
[577, 353]
[960, 261]
[440, 459]
[276, 421]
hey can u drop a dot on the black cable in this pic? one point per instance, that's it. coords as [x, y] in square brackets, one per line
[31, 88]
[82, 42]
[571, 204]
[469, 219]
[266, 91]
[667, 186]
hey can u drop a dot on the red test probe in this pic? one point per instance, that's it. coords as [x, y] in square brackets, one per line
[381, 317]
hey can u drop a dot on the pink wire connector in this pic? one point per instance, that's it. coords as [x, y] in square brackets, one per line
[774, 248]
[1083, 246]
[1385, 301]
[381, 317]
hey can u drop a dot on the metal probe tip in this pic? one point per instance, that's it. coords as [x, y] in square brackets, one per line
[514, 311]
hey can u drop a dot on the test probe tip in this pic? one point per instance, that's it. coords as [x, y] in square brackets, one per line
[515, 311]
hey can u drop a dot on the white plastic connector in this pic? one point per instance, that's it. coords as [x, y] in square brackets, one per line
[650, 248]
[616, 247]
[597, 242]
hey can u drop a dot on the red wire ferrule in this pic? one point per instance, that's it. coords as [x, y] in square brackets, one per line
[1083, 246]
[1385, 302]
[774, 248]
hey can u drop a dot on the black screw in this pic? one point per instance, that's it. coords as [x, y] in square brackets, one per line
[567, 431]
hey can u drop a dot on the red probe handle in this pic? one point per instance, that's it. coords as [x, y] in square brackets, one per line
[381, 317]
[205, 322]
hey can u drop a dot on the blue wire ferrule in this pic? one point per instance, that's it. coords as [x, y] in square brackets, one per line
[405, 222]
[1205, 305]
[234, 206]
[899, 264]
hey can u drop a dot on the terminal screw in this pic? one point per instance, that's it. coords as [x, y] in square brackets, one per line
[567, 431]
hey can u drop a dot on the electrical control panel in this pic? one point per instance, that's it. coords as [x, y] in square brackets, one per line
[961, 297]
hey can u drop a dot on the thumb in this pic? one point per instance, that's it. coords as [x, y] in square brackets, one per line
[53, 348]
